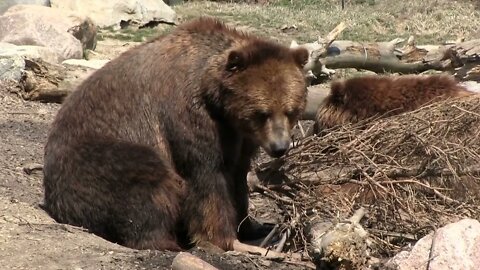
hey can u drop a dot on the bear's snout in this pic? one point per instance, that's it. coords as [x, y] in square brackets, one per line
[279, 148]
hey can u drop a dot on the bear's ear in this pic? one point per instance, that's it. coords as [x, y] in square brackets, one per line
[300, 55]
[236, 61]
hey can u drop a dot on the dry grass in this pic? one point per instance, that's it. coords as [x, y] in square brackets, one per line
[412, 172]
[431, 21]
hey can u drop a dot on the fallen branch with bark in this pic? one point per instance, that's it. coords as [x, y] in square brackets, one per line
[383, 57]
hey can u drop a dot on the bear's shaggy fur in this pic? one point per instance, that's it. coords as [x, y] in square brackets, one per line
[154, 148]
[360, 98]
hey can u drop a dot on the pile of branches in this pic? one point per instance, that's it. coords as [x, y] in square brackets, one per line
[411, 172]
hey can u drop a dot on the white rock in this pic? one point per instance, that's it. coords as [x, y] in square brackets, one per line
[472, 86]
[95, 64]
[112, 12]
[46, 54]
[11, 67]
[55, 29]
[454, 246]
[5, 4]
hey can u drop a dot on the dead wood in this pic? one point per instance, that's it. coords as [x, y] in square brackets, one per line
[345, 242]
[411, 172]
[468, 72]
[382, 57]
[325, 43]
[469, 53]
[271, 254]
[46, 82]
[41, 81]
[293, 258]
[317, 50]
[31, 167]
[187, 261]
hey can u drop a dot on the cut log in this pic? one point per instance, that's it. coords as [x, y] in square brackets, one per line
[186, 261]
[47, 82]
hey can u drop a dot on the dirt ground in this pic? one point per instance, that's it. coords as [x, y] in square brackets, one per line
[30, 239]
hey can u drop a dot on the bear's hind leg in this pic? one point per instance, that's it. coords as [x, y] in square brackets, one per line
[123, 192]
[166, 199]
[160, 232]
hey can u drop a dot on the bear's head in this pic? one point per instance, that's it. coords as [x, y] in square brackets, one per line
[264, 92]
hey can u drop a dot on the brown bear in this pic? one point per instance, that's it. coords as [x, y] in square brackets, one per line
[152, 150]
[360, 98]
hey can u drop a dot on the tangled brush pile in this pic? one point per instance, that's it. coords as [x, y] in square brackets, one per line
[412, 173]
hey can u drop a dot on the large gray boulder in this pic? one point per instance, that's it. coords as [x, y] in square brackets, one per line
[63, 32]
[113, 12]
[5, 4]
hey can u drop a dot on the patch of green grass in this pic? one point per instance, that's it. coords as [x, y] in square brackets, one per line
[430, 21]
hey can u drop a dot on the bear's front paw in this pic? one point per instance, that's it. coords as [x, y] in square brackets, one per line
[214, 245]
[209, 247]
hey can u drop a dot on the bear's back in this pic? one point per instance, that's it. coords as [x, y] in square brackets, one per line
[154, 82]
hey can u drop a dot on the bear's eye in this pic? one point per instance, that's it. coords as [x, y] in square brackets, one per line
[261, 116]
[291, 113]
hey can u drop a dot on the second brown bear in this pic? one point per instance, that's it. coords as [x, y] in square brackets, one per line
[360, 98]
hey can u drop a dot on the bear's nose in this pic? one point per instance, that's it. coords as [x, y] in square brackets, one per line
[279, 148]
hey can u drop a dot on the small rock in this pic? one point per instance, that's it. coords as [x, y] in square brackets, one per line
[472, 86]
[454, 246]
[113, 12]
[95, 64]
[11, 67]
